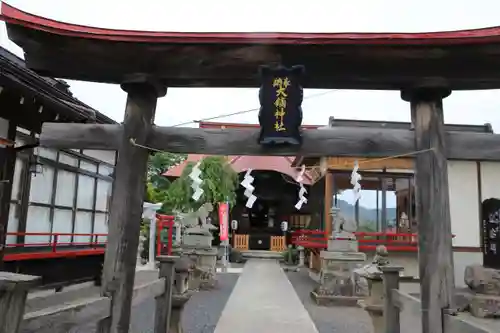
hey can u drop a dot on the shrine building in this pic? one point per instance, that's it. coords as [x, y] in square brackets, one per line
[54, 205]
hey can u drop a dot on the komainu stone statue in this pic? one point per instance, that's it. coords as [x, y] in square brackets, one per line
[342, 227]
[197, 245]
[198, 229]
[371, 270]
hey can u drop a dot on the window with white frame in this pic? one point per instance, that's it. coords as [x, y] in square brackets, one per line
[70, 195]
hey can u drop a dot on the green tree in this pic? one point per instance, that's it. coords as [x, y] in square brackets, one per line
[158, 164]
[158, 184]
[220, 182]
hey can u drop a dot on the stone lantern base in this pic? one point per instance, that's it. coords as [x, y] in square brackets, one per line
[336, 285]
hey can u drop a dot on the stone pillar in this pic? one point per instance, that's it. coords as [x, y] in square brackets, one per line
[127, 199]
[181, 294]
[391, 309]
[301, 256]
[374, 303]
[432, 205]
[13, 292]
[164, 301]
[379, 278]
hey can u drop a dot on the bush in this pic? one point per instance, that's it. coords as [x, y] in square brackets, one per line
[294, 254]
[235, 256]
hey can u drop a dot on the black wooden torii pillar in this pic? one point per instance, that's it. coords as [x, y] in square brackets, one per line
[333, 61]
[127, 198]
[432, 205]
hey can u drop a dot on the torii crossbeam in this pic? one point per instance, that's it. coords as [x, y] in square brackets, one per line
[342, 141]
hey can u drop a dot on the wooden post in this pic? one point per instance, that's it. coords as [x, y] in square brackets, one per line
[383, 215]
[391, 311]
[13, 292]
[378, 214]
[164, 302]
[356, 213]
[328, 203]
[8, 158]
[126, 201]
[432, 206]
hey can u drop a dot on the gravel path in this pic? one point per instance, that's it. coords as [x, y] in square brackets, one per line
[205, 307]
[341, 319]
[200, 314]
[329, 319]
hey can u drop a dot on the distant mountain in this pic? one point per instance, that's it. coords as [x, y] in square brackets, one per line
[367, 216]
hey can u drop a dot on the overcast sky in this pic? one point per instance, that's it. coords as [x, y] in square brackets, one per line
[182, 105]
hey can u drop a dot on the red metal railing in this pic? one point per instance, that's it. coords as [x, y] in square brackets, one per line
[163, 221]
[368, 241]
[57, 247]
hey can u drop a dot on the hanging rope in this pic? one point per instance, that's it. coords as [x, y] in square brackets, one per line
[365, 161]
[134, 143]
[373, 160]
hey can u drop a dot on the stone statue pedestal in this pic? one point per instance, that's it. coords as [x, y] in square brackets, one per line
[336, 285]
[204, 272]
[342, 245]
[485, 283]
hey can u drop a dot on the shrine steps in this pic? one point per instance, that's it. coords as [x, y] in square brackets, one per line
[261, 254]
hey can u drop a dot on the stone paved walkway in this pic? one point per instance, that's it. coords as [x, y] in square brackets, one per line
[264, 300]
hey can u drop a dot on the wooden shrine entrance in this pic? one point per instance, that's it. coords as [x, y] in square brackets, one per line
[138, 62]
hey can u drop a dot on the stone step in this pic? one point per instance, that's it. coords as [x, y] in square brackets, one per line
[261, 254]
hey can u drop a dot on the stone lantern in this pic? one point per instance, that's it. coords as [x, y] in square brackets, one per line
[301, 256]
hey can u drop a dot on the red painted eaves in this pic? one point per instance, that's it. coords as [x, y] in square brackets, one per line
[13, 15]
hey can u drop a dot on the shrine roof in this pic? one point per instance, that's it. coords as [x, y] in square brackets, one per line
[282, 164]
[51, 94]
[466, 59]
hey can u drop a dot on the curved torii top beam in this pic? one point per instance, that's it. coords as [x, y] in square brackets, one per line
[466, 59]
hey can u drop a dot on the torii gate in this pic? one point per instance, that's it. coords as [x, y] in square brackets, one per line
[424, 67]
